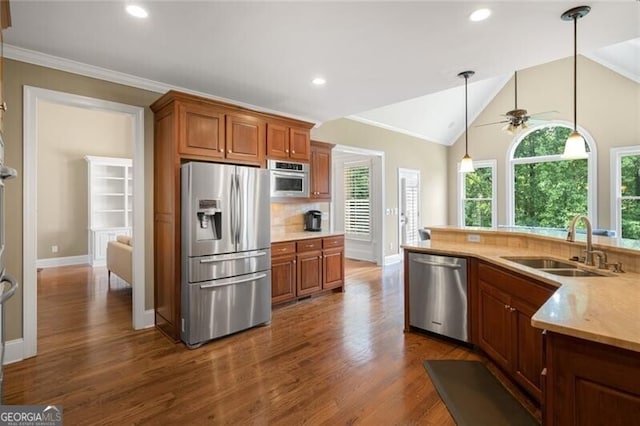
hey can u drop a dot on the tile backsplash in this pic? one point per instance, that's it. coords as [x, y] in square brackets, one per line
[289, 217]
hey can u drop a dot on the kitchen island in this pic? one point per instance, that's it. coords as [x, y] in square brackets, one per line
[590, 357]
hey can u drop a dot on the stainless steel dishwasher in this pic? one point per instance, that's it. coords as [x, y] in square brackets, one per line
[438, 294]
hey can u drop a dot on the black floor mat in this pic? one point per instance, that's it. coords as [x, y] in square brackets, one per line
[474, 396]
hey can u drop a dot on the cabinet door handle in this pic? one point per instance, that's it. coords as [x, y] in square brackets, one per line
[507, 306]
[221, 150]
[286, 150]
[512, 309]
[293, 152]
[229, 151]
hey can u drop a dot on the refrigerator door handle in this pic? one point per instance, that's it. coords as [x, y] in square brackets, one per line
[240, 281]
[232, 207]
[240, 211]
[7, 172]
[13, 285]
[224, 259]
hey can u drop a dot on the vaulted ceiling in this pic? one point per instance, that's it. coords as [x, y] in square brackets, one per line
[373, 54]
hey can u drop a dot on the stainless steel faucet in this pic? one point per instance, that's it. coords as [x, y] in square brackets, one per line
[571, 236]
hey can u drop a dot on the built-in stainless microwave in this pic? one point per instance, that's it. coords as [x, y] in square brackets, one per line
[288, 179]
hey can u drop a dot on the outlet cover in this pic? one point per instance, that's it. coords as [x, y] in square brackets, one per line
[473, 238]
[54, 249]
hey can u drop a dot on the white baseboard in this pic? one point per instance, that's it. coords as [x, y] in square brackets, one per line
[149, 319]
[62, 261]
[13, 351]
[392, 259]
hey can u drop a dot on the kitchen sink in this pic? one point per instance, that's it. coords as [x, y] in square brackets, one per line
[553, 266]
[574, 273]
[540, 262]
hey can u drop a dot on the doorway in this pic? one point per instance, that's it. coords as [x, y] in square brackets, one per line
[358, 200]
[32, 97]
[409, 203]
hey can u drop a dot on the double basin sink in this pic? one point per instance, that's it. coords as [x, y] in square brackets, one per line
[553, 266]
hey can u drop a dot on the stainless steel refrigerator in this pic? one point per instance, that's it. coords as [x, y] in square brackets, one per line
[226, 255]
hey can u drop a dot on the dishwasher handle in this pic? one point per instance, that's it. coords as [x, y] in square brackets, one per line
[443, 265]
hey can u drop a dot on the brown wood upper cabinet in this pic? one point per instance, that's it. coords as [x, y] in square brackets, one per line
[245, 138]
[202, 131]
[320, 165]
[287, 143]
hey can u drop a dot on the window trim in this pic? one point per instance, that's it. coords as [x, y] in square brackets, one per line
[592, 169]
[615, 156]
[494, 191]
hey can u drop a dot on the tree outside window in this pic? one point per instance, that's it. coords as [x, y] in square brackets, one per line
[547, 189]
[478, 196]
[630, 196]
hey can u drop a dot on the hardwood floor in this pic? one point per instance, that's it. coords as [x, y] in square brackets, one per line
[341, 358]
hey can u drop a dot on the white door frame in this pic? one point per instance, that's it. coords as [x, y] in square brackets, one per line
[33, 95]
[402, 171]
[377, 180]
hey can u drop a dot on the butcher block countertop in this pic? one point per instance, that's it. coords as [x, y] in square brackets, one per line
[602, 309]
[303, 235]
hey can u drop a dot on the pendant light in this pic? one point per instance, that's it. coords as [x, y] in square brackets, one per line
[466, 165]
[574, 146]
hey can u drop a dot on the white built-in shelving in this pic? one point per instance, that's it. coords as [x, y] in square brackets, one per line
[110, 203]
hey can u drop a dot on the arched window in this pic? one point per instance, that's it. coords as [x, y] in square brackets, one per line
[545, 190]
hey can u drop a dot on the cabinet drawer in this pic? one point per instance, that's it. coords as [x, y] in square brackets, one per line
[283, 248]
[309, 245]
[333, 242]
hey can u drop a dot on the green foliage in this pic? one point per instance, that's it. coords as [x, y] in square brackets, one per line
[548, 194]
[478, 197]
[630, 187]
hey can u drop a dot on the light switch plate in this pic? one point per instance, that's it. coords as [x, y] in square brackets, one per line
[473, 238]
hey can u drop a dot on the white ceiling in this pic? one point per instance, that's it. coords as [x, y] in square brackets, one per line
[372, 54]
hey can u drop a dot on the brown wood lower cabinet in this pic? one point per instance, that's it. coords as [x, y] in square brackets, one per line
[589, 383]
[305, 267]
[506, 303]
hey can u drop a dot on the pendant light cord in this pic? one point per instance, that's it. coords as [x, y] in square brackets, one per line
[466, 118]
[515, 76]
[575, 73]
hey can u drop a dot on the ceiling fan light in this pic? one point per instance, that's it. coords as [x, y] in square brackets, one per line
[574, 147]
[466, 165]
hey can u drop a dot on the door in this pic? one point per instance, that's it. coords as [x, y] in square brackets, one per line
[409, 205]
[254, 209]
[309, 272]
[495, 324]
[320, 172]
[283, 278]
[299, 143]
[208, 190]
[527, 347]
[245, 139]
[201, 131]
[277, 141]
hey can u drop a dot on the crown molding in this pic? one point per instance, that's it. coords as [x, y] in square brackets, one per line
[594, 56]
[80, 68]
[395, 129]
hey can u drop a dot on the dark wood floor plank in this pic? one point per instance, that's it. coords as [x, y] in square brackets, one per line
[341, 358]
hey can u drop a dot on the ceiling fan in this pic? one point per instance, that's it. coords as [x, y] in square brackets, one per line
[517, 118]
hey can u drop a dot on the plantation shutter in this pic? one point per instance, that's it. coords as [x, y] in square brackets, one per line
[411, 208]
[357, 194]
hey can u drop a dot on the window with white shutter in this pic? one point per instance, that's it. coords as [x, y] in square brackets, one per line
[357, 200]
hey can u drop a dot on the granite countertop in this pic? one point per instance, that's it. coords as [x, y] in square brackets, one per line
[601, 309]
[302, 235]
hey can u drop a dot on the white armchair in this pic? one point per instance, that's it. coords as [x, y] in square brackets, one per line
[119, 258]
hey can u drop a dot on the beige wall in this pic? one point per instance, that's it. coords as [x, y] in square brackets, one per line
[65, 135]
[608, 108]
[16, 75]
[289, 217]
[400, 151]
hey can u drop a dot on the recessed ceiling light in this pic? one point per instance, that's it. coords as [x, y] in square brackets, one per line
[480, 15]
[137, 11]
[319, 81]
